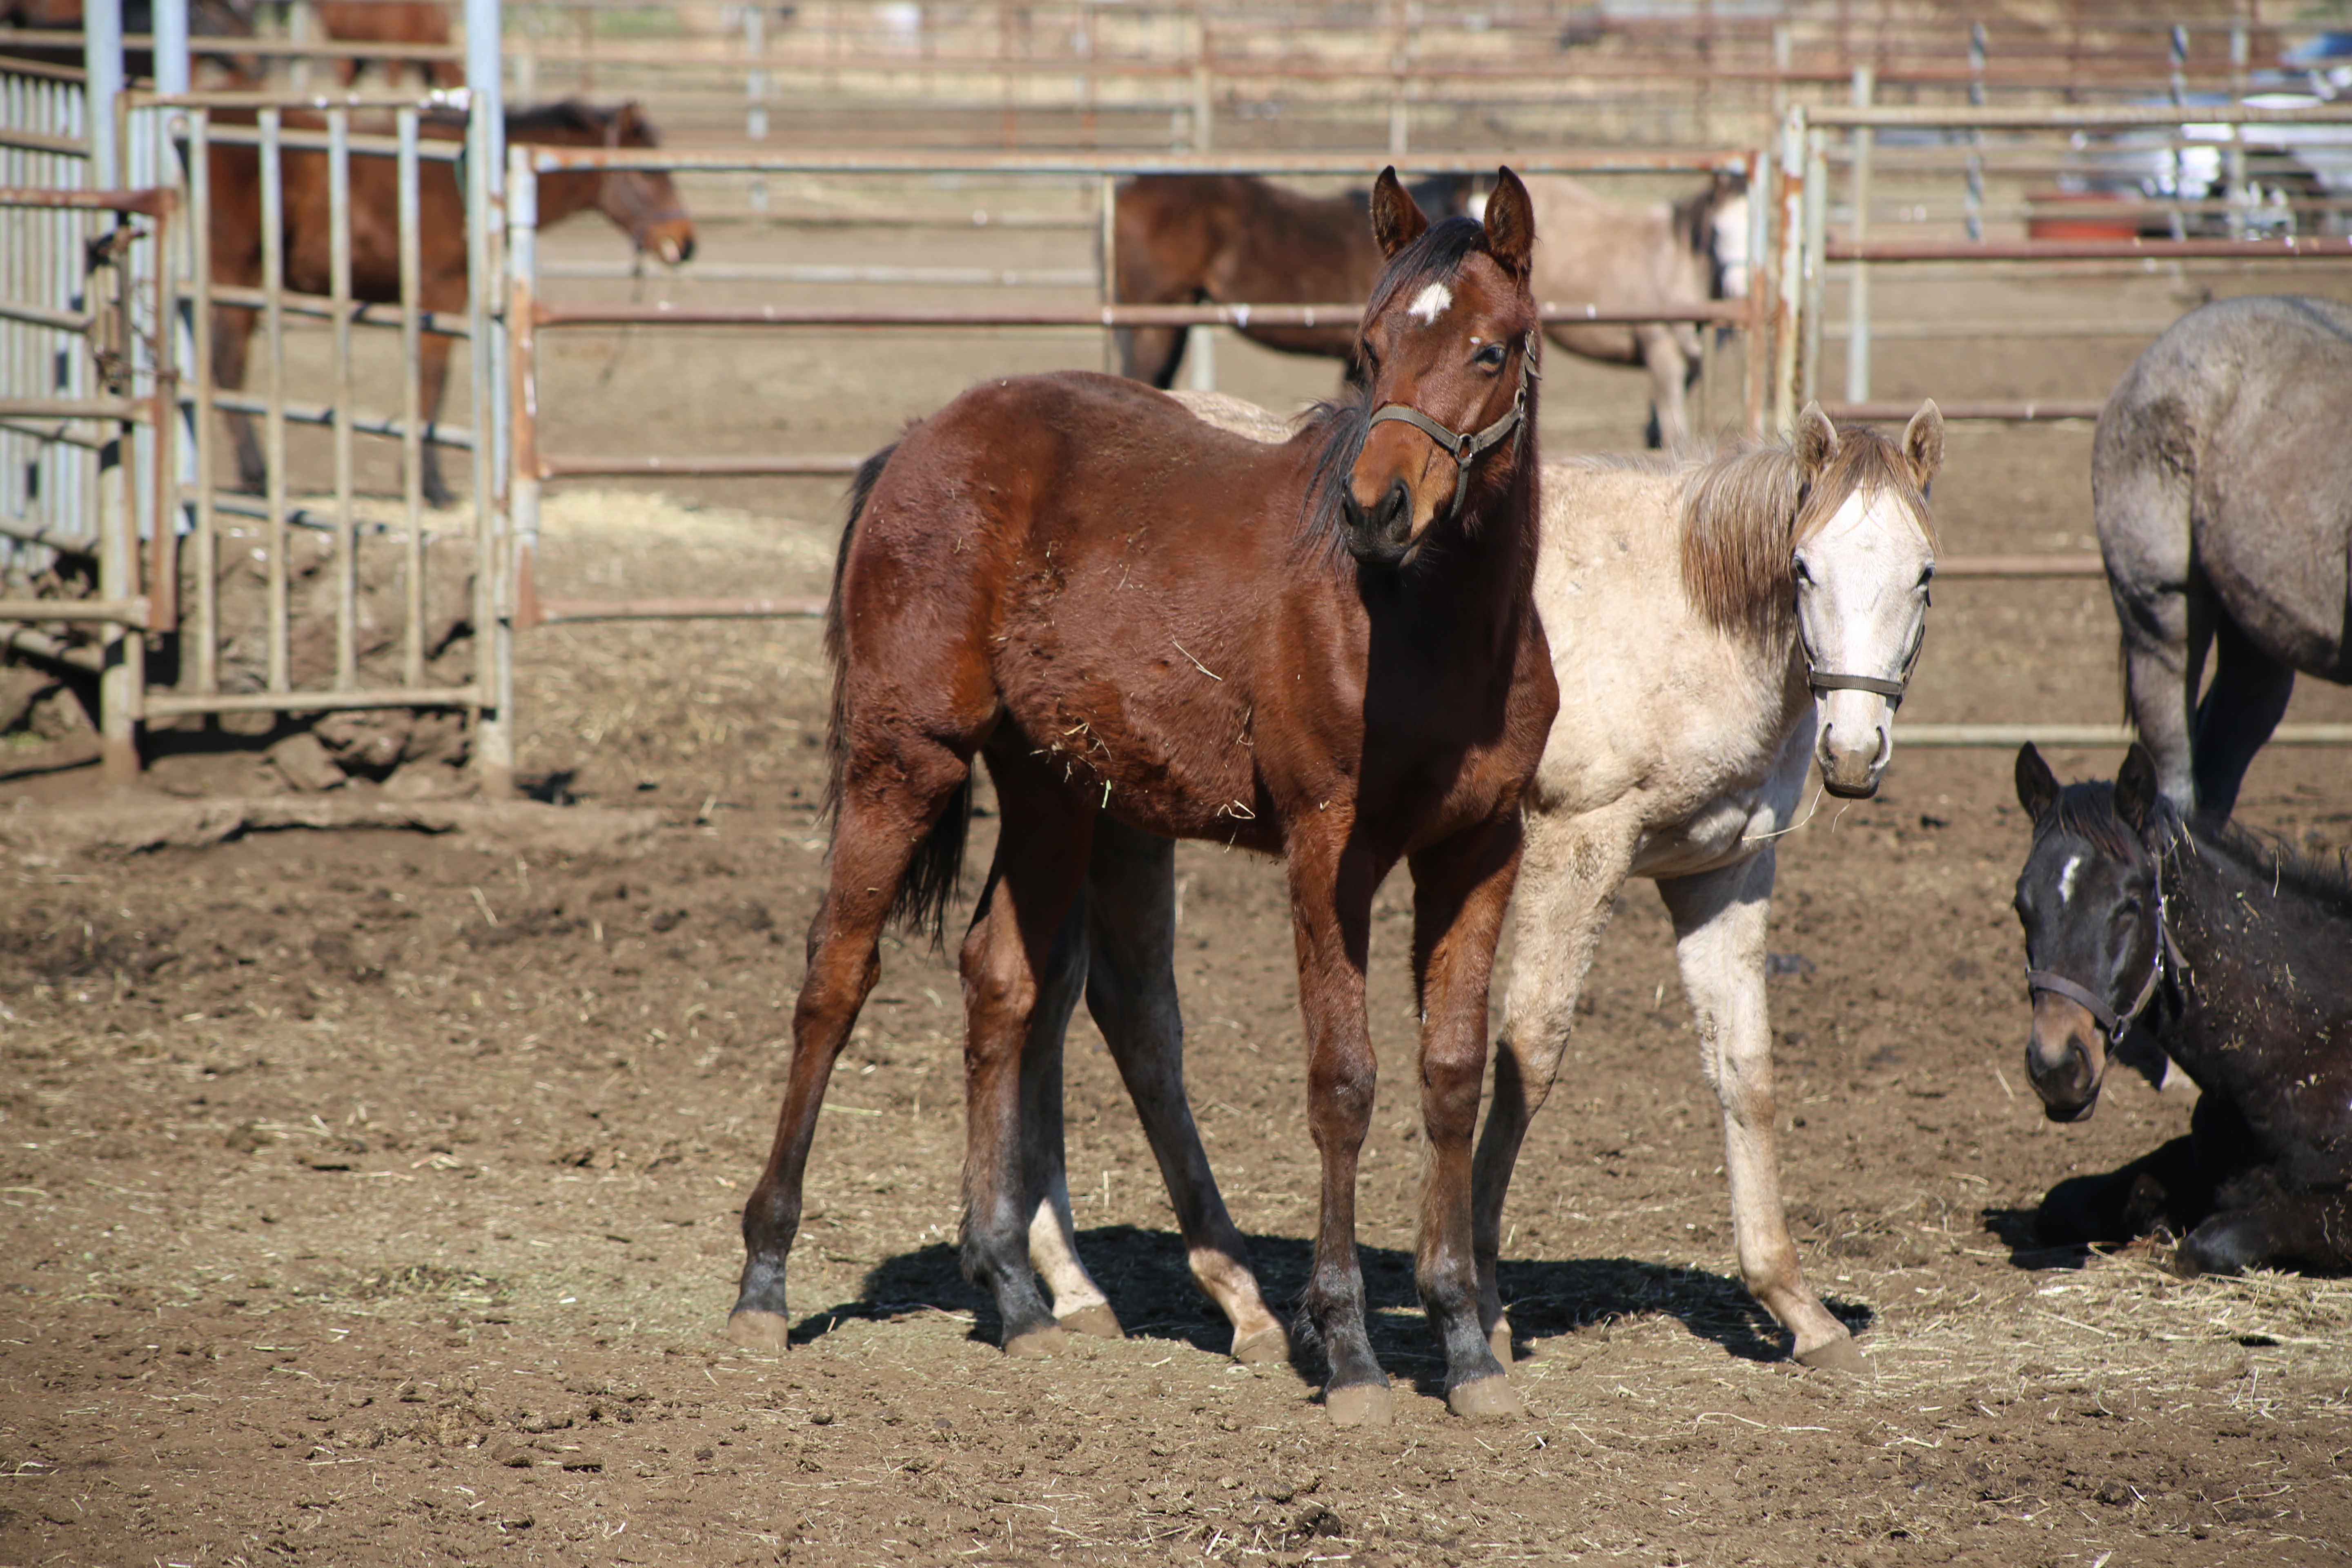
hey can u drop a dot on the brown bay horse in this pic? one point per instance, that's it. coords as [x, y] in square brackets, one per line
[1326, 649]
[642, 203]
[1189, 240]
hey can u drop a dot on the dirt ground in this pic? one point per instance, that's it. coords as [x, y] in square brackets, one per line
[372, 1197]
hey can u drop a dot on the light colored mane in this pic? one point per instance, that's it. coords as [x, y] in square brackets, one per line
[1744, 511]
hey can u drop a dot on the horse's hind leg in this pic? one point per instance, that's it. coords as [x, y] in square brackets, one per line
[1041, 861]
[1131, 991]
[2163, 609]
[232, 348]
[2307, 1232]
[1670, 373]
[2240, 710]
[874, 841]
[1568, 877]
[1079, 1304]
[1720, 919]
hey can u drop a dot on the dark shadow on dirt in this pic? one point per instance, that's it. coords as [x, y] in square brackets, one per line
[2018, 1230]
[1144, 1274]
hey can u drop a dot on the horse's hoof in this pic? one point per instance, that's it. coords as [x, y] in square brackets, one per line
[767, 1333]
[1098, 1320]
[1036, 1345]
[1840, 1354]
[1359, 1404]
[1266, 1344]
[1486, 1399]
[1499, 1341]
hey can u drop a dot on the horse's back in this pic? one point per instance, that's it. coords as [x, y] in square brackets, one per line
[1592, 251]
[2221, 452]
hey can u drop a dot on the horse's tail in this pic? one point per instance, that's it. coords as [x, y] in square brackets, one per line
[929, 884]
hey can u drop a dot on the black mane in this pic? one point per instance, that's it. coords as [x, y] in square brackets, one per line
[571, 115]
[2088, 812]
[1339, 425]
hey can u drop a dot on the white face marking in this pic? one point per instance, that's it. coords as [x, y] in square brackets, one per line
[2066, 879]
[1430, 303]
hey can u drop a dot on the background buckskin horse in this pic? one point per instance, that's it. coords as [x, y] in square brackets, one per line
[642, 203]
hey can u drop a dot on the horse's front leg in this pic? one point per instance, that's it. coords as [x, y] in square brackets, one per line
[232, 349]
[1131, 990]
[2307, 1232]
[1568, 877]
[1720, 924]
[1461, 889]
[1330, 914]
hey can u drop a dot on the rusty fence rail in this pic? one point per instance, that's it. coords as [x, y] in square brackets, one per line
[528, 315]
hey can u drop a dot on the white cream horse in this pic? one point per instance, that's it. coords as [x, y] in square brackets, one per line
[1666, 256]
[1716, 627]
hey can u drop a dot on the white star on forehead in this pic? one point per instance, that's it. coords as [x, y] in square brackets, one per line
[1430, 303]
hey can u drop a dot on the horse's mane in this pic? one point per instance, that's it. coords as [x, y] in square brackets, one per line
[1338, 427]
[1744, 511]
[2087, 811]
[570, 115]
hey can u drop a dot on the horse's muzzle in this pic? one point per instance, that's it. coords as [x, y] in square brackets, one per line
[1381, 535]
[2061, 1061]
[1851, 773]
[672, 242]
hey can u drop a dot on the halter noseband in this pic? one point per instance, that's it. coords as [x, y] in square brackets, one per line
[1822, 680]
[1467, 449]
[2113, 1023]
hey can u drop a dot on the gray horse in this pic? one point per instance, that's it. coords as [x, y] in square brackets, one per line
[2221, 482]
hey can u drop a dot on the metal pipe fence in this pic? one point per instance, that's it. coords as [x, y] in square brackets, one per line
[528, 315]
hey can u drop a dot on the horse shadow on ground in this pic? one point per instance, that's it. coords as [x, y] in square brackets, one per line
[2018, 1229]
[1143, 1273]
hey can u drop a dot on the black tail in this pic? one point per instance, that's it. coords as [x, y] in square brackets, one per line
[933, 875]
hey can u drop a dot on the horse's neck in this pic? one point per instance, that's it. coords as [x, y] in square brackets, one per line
[2259, 963]
[562, 194]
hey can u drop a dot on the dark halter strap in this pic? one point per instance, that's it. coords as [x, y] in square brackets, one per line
[1831, 680]
[1467, 449]
[2113, 1022]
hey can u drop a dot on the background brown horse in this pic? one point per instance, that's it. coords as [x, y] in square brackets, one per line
[1186, 239]
[1326, 650]
[644, 204]
[391, 22]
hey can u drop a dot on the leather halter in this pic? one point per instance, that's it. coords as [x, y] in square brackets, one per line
[2113, 1022]
[1822, 680]
[1467, 449]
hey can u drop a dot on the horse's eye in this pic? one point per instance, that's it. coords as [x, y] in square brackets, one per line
[1491, 356]
[1798, 569]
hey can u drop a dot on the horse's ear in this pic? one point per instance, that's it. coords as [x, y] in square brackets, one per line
[1923, 443]
[1816, 442]
[1397, 219]
[1510, 220]
[2135, 789]
[2037, 786]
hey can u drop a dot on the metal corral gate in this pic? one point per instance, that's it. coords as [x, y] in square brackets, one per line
[1805, 254]
[141, 478]
[527, 315]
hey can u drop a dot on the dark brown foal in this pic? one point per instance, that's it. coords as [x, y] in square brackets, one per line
[1324, 650]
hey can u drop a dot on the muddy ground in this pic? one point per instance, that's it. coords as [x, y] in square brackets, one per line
[371, 1196]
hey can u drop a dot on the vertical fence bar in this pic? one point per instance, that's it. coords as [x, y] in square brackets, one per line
[1863, 140]
[486, 352]
[1789, 271]
[1973, 169]
[1756, 350]
[412, 405]
[273, 440]
[1106, 248]
[1817, 214]
[755, 92]
[338, 297]
[118, 527]
[523, 295]
[206, 633]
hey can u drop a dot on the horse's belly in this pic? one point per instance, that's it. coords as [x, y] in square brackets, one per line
[1719, 833]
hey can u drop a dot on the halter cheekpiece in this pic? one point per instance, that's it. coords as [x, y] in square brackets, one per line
[1467, 449]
